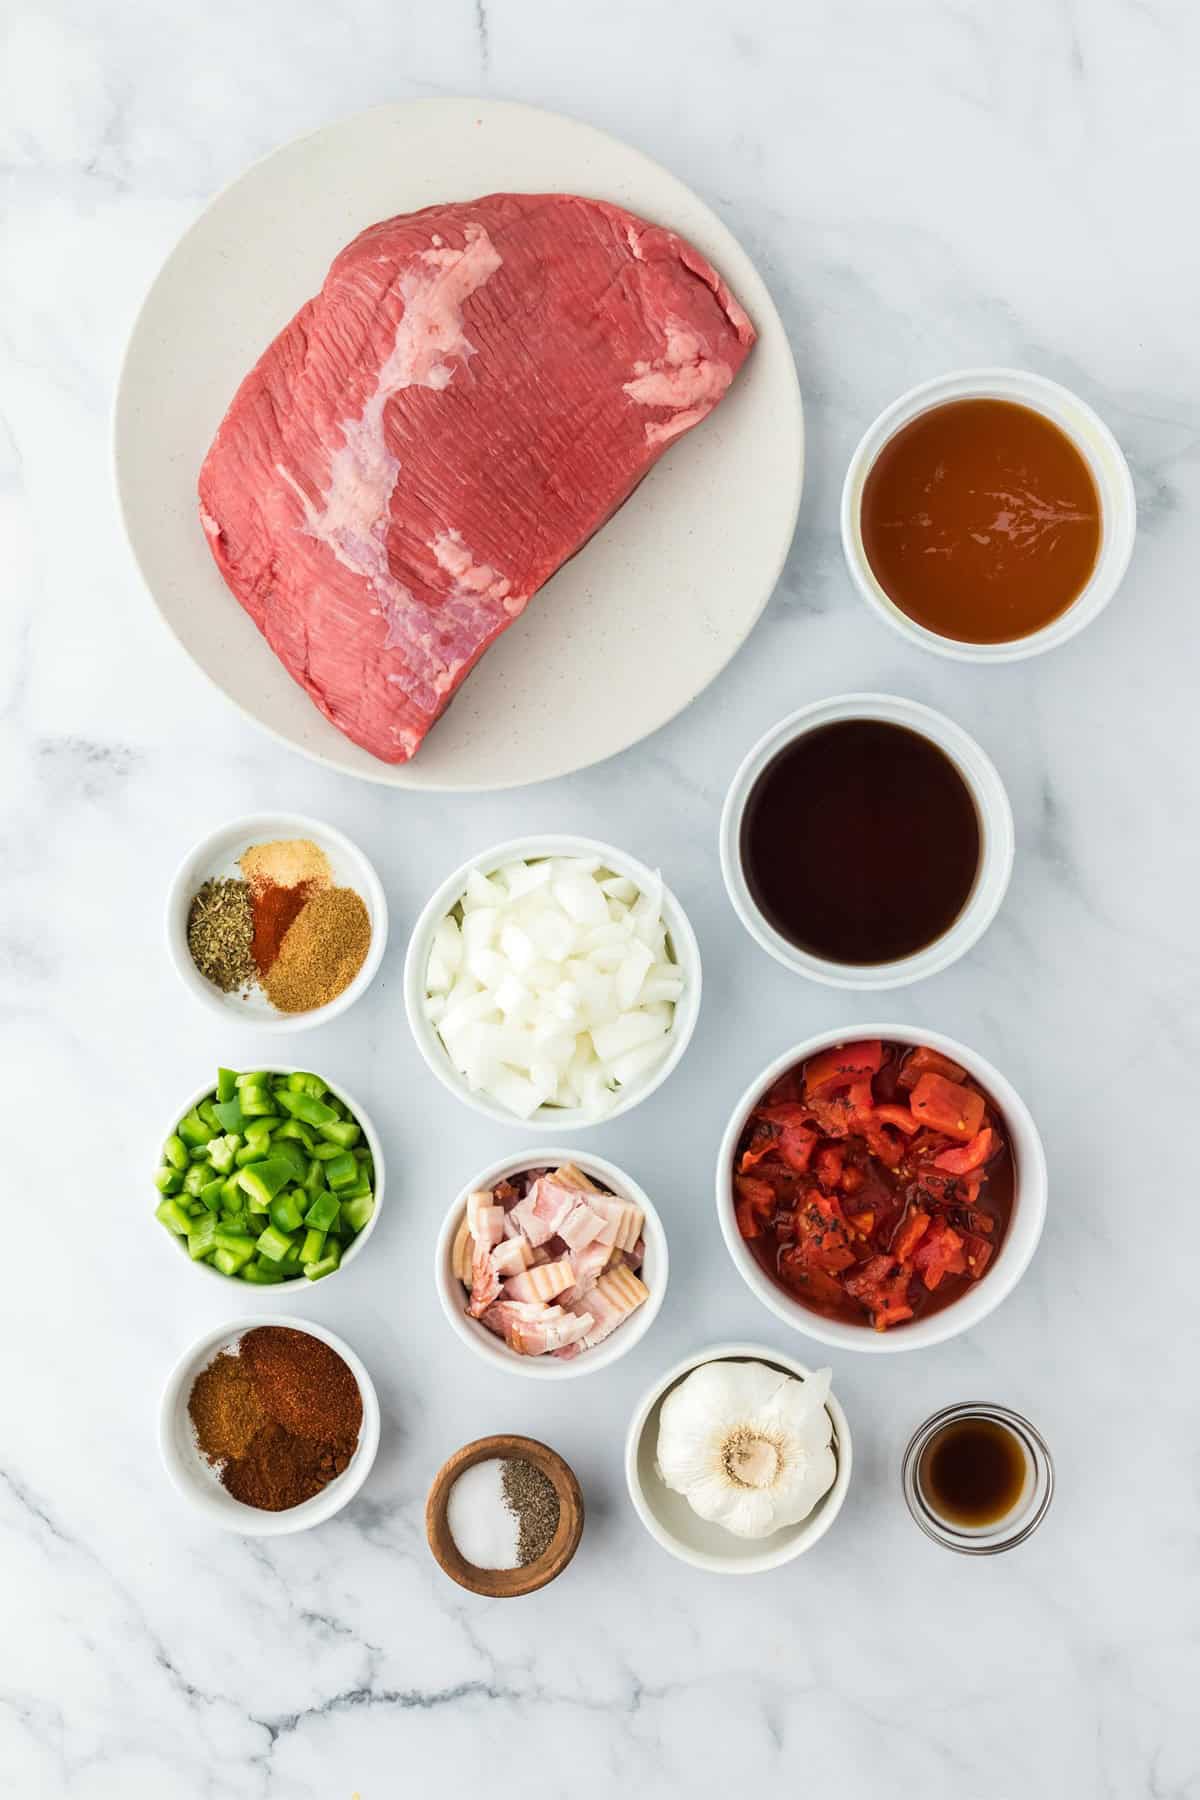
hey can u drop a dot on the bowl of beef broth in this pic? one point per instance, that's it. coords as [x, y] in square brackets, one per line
[881, 1189]
[988, 515]
[866, 841]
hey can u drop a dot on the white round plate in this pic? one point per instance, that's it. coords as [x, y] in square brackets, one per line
[630, 630]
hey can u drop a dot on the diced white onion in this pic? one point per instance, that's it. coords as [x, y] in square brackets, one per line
[552, 983]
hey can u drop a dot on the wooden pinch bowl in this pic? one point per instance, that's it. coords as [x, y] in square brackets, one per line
[506, 1584]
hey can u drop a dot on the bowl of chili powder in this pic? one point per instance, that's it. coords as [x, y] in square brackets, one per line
[881, 1188]
[279, 954]
[269, 1425]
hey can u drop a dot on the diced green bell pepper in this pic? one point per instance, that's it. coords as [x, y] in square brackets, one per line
[274, 1244]
[303, 1106]
[251, 1078]
[357, 1212]
[323, 1212]
[176, 1151]
[256, 1152]
[343, 1132]
[195, 1179]
[313, 1245]
[263, 1180]
[168, 1180]
[327, 1264]
[212, 1193]
[193, 1130]
[222, 1150]
[256, 1102]
[301, 1081]
[292, 1154]
[292, 1128]
[202, 1239]
[341, 1171]
[261, 1273]
[228, 1115]
[171, 1214]
[229, 1259]
[286, 1212]
[358, 1187]
[226, 1084]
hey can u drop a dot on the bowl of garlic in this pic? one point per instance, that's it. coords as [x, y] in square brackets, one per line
[552, 979]
[738, 1459]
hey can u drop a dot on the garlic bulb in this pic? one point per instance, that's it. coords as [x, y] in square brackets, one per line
[749, 1448]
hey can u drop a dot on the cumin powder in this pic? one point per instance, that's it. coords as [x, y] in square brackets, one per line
[322, 951]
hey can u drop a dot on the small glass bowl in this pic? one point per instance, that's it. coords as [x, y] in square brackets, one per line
[1006, 1533]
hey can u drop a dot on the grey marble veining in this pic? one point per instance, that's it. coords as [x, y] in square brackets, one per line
[923, 187]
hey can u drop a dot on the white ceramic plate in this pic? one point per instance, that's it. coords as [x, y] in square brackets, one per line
[631, 629]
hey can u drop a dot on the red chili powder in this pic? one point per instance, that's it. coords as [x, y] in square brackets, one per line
[274, 909]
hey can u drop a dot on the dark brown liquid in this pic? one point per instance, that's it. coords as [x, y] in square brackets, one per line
[981, 520]
[860, 842]
[972, 1472]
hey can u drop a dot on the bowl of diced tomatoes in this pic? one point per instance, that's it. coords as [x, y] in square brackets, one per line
[881, 1188]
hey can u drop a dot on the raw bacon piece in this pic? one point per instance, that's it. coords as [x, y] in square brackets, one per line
[588, 1267]
[582, 1224]
[542, 1283]
[545, 1207]
[503, 1315]
[511, 1256]
[535, 1337]
[617, 1294]
[484, 1220]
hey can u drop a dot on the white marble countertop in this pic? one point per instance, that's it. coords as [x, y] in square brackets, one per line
[923, 187]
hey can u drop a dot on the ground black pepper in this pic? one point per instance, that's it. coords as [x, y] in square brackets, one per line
[531, 1496]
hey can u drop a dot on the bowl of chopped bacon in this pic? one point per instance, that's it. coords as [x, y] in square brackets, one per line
[881, 1189]
[551, 1264]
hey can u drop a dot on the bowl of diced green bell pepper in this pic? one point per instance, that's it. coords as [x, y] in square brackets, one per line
[270, 1176]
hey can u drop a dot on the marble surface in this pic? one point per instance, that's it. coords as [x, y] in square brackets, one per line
[924, 187]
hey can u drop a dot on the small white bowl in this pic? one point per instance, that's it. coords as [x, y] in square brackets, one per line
[1095, 443]
[1012, 1260]
[191, 1474]
[683, 944]
[996, 840]
[216, 856]
[493, 1349]
[668, 1517]
[298, 1283]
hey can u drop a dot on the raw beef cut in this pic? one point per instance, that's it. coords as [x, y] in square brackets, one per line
[474, 391]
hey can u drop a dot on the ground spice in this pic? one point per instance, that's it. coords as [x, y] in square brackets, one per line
[321, 953]
[287, 862]
[531, 1495]
[274, 909]
[220, 933]
[225, 1408]
[281, 1418]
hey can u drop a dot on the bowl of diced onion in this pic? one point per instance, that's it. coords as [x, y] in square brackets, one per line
[552, 980]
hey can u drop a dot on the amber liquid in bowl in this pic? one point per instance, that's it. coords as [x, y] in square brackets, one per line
[981, 520]
[973, 1473]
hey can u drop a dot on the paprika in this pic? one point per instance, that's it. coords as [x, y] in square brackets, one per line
[278, 1417]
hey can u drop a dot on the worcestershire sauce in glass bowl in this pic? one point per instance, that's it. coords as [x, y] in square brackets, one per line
[972, 1472]
[860, 842]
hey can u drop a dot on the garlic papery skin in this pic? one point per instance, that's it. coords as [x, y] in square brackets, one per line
[749, 1447]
